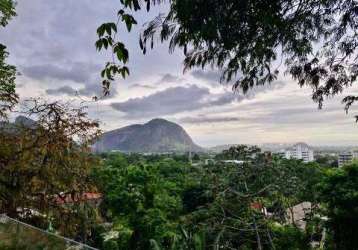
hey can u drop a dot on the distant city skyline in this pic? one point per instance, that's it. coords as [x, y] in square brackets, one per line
[55, 54]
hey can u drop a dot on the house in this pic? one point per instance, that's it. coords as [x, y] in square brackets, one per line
[69, 199]
[297, 214]
[259, 207]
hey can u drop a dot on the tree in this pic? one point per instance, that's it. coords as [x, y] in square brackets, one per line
[327, 161]
[142, 199]
[7, 11]
[339, 194]
[227, 201]
[317, 41]
[44, 161]
[240, 152]
[8, 96]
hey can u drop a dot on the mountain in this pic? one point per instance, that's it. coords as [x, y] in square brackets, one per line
[155, 136]
[25, 122]
[20, 122]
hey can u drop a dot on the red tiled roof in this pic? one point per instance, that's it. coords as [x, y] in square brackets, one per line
[256, 205]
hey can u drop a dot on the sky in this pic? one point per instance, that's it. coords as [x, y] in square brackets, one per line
[52, 45]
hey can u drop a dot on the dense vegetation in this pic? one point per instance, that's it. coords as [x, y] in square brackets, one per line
[165, 202]
[162, 202]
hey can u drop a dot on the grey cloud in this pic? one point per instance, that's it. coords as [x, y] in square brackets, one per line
[179, 99]
[297, 113]
[269, 86]
[171, 101]
[227, 97]
[62, 90]
[207, 75]
[89, 90]
[208, 119]
[168, 101]
[142, 86]
[169, 78]
[213, 78]
[305, 116]
[77, 72]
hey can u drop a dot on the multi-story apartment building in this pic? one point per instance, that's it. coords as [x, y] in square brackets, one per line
[346, 158]
[299, 151]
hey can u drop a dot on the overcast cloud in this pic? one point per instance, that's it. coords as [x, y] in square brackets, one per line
[171, 101]
[200, 119]
[52, 45]
[77, 72]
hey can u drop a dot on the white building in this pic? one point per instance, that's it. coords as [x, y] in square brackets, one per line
[300, 151]
[285, 154]
[347, 157]
[355, 154]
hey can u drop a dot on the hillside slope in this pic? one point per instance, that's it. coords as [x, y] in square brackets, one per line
[157, 135]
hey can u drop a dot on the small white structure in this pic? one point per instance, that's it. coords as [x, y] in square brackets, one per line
[300, 151]
[237, 162]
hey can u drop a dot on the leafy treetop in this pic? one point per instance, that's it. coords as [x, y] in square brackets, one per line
[8, 96]
[317, 41]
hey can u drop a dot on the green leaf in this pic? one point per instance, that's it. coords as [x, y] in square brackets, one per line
[105, 43]
[108, 73]
[108, 28]
[101, 30]
[148, 5]
[113, 26]
[120, 12]
[154, 245]
[99, 44]
[129, 20]
[136, 5]
[185, 234]
[126, 69]
[141, 43]
[121, 52]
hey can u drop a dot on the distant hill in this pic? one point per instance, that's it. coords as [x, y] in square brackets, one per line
[25, 122]
[220, 148]
[20, 122]
[155, 136]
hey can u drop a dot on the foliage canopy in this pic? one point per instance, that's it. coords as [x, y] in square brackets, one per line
[317, 41]
[8, 96]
